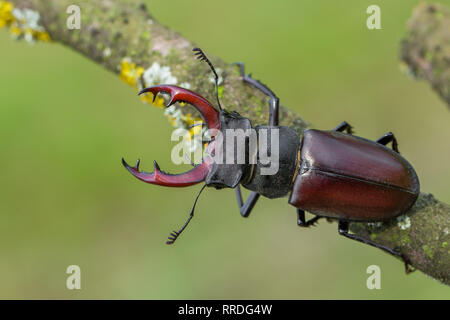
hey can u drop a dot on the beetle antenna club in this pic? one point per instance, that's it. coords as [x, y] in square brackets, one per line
[202, 57]
[175, 234]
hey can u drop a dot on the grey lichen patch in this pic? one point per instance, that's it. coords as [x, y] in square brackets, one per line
[428, 251]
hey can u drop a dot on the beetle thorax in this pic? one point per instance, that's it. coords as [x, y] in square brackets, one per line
[262, 159]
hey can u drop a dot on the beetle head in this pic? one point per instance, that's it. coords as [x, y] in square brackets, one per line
[228, 171]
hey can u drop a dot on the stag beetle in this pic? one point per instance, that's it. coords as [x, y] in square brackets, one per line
[332, 174]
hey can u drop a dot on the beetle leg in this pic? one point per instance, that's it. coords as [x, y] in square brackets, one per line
[343, 231]
[273, 102]
[389, 137]
[301, 220]
[246, 208]
[344, 126]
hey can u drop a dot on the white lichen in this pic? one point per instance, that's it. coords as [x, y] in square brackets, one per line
[107, 52]
[404, 222]
[26, 24]
[175, 115]
[157, 74]
[375, 224]
[185, 85]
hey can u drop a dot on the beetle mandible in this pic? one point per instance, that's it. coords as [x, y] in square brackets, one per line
[331, 174]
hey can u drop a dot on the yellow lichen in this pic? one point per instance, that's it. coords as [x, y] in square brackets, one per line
[6, 16]
[15, 31]
[148, 98]
[22, 23]
[43, 36]
[129, 72]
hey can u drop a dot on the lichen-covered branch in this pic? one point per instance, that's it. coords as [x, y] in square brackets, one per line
[123, 37]
[426, 46]
[422, 235]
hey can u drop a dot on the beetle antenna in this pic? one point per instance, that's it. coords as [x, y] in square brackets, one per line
[175, 234]
[202, 57]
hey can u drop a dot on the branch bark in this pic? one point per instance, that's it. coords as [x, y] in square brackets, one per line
[114, 29]
[426, 47]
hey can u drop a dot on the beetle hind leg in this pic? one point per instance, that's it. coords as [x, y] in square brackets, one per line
[302, 222]
[389, 137]
[343, 231]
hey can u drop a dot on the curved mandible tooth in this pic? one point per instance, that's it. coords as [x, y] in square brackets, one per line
[209, 113]
[198, 173]
[158, 177]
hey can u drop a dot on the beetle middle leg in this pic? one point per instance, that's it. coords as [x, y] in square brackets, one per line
[389, 137]
[344, 126]
[301, 220]
[246, 208]
[343, 231]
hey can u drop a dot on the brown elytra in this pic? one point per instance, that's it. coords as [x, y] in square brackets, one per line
[350, 178]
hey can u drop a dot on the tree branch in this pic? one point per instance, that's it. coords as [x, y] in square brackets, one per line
[426, 47]
[124, 38]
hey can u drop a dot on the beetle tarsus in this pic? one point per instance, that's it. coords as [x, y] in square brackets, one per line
[302, 222]
[408, 266]
[389, 137]
[344, 126]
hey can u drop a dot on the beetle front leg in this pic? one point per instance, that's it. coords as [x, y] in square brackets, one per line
[246, 208]
[343, 231]
[344, 126]
[274, 102]
[389, 137]
[301, 220]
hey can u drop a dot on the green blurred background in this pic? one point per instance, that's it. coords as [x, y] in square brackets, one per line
[65, 198]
